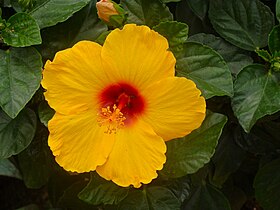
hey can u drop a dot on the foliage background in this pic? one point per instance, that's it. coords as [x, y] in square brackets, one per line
[229, 48]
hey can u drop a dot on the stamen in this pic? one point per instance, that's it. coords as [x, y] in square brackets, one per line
[113, 118]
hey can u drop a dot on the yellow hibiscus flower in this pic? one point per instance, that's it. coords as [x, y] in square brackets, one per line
[117, 104]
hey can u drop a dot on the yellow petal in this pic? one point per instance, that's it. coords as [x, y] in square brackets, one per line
[137, 154]
[74, 78]
[78, 143]
[174, 107]
[138, 55]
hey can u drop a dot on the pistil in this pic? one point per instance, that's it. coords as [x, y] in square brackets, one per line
[112, 117]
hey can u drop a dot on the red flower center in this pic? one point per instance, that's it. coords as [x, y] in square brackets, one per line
[120, 104]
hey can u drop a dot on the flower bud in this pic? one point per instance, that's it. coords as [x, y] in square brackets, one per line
[111, 13]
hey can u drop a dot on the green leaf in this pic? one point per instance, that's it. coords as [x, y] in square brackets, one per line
[26, 4]
[167, 1]
[99, 191]
[60, 180]
[278, 10]
[51, 12]
[199, 7]
[207, 197]
[228, 155]
[89, 26]
[21, 31]
[45, 113]
[135, 200]
[243, 23]
[150, 198]
[206, 68]
[175, 32]
[274, 40]
[263, 138]
[235, 58]
[256, 94]
[264, 54]
[187, 155]
[20, 77]
[146, 12]
[29, 207]
[16, 134]
[102, 37]
[186, 15]
[70, 200]
[181, 187]
[35, 161]
[162, 198]
[267, 185]
[7, 168]
[83, 25]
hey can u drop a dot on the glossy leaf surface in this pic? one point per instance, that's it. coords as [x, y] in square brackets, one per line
[21, 31]
[243, 23]
[20, 77]
[206, 68]
[188, 154]
[256, 94]
[16, 134]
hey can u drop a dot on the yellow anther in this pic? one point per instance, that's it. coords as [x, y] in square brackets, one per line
[112, 118]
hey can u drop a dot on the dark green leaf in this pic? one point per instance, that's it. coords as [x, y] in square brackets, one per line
[264, 54]
[45, 113]
[162, 198]
[7, 168]
[235, 57]
[35, 161]
[181, 187]
[256, 94]
[70, 200]
[267, 185]
[150, 198]
[278, 10]
[243, 23]
[84, 25]
[20, 77]
[199, 7]
[146, 12]
[135, 200]
[22, 30]
[274, 40]
[188, 154]
[207, 197]
[262, 139]
[102, 37]
[29, 207]
[16, 134]
[89, 26]
[206, 68]
[228, 156]
[185, 14]
[175, 32]
[60, 180]
[51, 12]
[167, 1]
[236, 196]
[100, 191]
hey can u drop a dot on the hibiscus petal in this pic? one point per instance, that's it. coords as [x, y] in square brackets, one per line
[74, 78]
[78, 143]
[137, 154]
[138, 55]
[174, 107]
